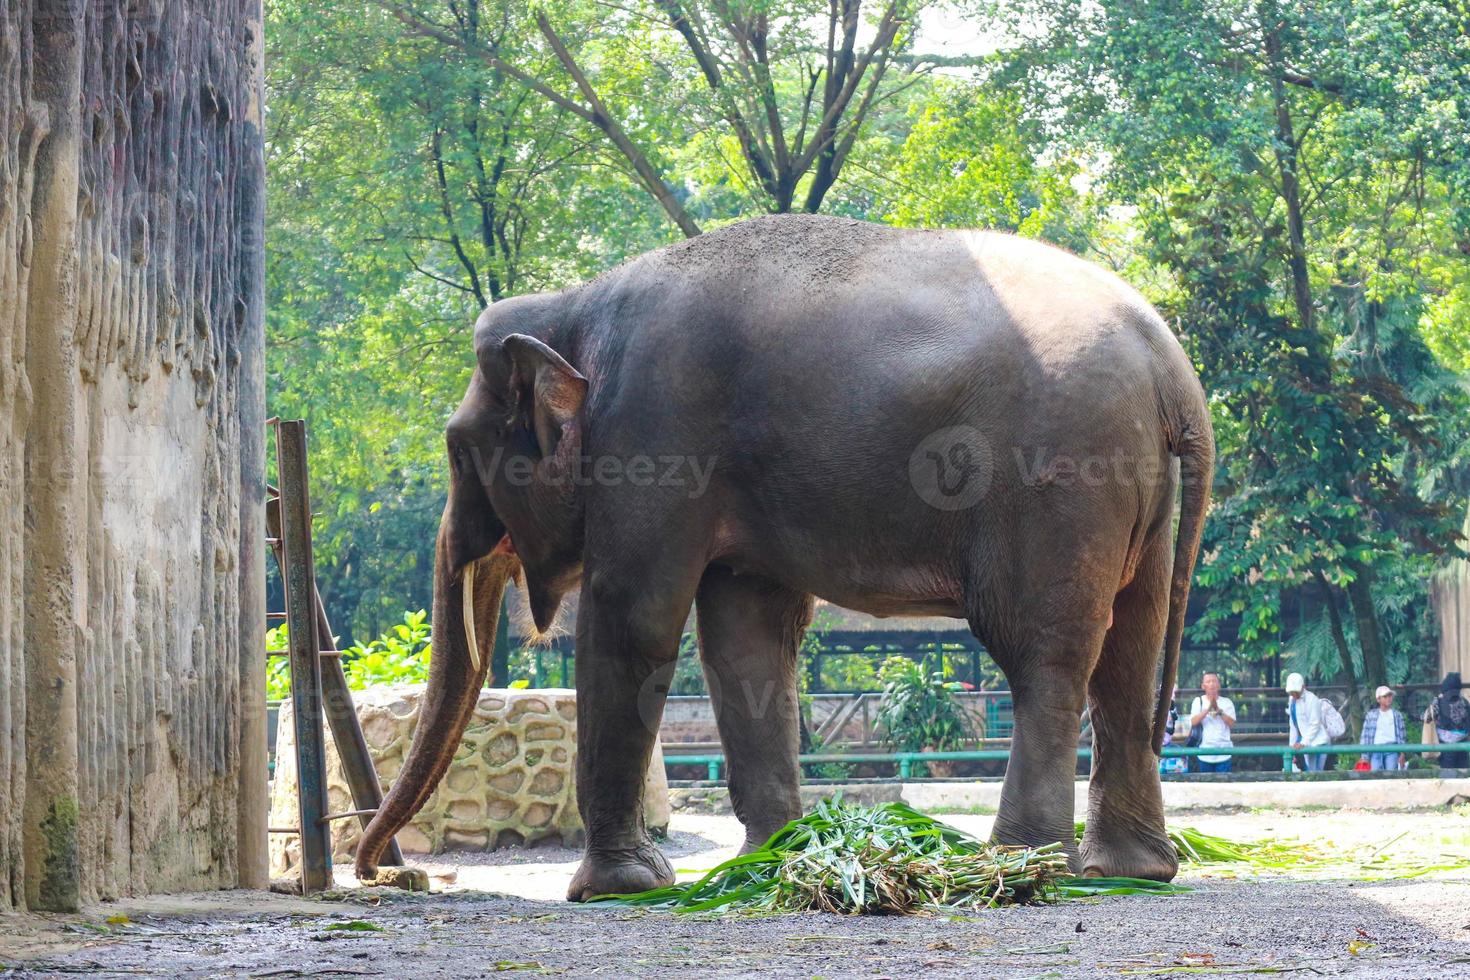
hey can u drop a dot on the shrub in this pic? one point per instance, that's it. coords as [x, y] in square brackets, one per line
[399, 656]
[919, 709]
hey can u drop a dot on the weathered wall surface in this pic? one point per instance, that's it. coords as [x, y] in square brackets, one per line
[131, 410]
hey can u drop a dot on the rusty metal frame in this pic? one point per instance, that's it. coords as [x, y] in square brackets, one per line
[318, 683]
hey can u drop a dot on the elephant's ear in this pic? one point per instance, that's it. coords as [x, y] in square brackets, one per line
[546, 391]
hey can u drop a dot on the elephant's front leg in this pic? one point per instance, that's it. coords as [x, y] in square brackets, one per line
[749, 629]
[627, 640]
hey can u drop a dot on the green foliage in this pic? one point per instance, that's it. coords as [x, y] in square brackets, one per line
[828, 770]
[1290, 184]
[398, 656]
[919, 709]
[277, 669]
[688, 669]
[536, 666]
[849, 672]
[408, 187]
[970, 160]
[1296, 174]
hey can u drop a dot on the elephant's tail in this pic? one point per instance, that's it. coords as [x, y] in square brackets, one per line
[1193, 441]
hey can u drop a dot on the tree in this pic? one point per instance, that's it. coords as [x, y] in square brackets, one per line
[970, 159]
[1294, 173]
[783, 88]
[407, 191]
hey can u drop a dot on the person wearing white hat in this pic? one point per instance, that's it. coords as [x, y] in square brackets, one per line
[1304, 712]
[1384, 726]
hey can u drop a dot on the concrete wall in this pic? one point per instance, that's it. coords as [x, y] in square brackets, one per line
[131, 442]
[512, 781]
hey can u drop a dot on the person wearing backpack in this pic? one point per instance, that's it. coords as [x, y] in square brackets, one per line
[1383, 726]
[1211, 717]
[1450, 714]
[1305, 714]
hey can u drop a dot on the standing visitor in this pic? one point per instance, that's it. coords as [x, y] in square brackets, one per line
[1215, 715]
[1383, 726]
[1173, 763]
[1450, 713]
[1304, 712]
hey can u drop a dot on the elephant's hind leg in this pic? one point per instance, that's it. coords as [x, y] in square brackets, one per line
[1037, 799]
[1125, 810]
[749, 629]
[1044, 625]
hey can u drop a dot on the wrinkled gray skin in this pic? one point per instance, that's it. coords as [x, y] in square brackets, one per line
[800, 363]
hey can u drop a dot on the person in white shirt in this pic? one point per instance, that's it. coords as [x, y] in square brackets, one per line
[1215, 715]
[1304, 715]
[1385, 726]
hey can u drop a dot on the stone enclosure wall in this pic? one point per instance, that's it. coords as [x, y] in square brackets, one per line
[131, 449]
[511, 781]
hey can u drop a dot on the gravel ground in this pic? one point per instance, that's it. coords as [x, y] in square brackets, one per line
[501, 913]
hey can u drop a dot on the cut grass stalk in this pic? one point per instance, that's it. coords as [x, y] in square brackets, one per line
[1196, 847]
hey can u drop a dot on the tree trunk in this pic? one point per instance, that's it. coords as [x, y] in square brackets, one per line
[1291, 194]
[1344, 653]
[1370, 636]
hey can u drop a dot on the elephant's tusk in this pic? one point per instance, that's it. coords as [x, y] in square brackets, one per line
[469, 614]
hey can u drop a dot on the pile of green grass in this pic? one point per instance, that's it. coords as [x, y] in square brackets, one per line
[888, 858]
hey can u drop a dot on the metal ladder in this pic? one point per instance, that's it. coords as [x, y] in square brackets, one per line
[318, 684]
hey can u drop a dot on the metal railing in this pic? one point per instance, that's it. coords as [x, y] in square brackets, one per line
[837, 719]
[905, 760]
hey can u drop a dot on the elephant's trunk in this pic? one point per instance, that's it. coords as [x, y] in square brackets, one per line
[461, 610]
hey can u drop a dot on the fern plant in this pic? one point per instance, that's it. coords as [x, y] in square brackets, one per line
[919, 709]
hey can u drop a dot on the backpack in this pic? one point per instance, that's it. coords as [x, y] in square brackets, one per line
[1454, 713]
[1331, 720]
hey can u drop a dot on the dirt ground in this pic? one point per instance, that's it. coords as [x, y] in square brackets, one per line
[501, 913]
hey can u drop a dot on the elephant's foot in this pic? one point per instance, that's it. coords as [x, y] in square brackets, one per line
[1117, 850]
[620, 871]
[1030, 833]
[755, 840]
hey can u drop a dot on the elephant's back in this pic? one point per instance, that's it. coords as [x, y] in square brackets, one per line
[791, 274]
[856, 338]
[832, 292]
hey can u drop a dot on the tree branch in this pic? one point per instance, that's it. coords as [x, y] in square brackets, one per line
[837, 104]
[604, 121]
[755, 156]
[427, 30]
[593, 112]
[448, 211]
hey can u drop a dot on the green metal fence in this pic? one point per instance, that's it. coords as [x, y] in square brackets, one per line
[906, 760]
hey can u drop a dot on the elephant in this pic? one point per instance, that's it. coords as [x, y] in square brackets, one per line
[900, 422]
